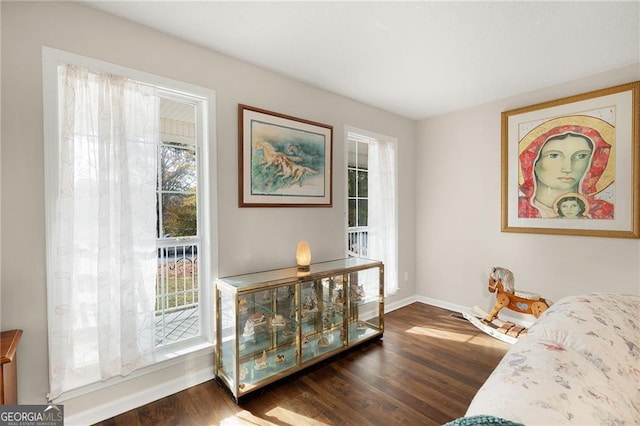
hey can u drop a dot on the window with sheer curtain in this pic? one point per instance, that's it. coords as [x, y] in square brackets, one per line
[107, 258]
[371, 198]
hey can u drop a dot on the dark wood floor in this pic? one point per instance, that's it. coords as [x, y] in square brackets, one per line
[425, 370]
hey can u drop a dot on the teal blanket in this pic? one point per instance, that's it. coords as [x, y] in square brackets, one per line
[482, 420]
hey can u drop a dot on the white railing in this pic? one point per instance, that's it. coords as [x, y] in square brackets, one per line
[177, 293]
[358, 241]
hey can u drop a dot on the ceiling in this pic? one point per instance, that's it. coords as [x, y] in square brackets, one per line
[417, 59]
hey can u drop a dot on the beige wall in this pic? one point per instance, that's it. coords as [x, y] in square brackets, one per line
[249, 239]
[458, 205]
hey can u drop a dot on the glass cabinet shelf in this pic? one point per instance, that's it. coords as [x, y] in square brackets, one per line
[274, 323]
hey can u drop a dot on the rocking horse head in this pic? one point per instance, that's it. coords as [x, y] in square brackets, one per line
[498, 275]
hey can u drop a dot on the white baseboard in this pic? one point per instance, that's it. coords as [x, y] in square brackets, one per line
[441, 304]
[505, 314]
[388, 307]
[132, 395]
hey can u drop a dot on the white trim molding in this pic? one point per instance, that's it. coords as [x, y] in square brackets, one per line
[110, 401]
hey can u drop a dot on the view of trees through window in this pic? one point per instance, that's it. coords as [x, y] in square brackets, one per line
[358, 197]
[178, 184]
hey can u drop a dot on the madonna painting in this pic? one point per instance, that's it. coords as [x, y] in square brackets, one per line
[571, 166]
[574, 154]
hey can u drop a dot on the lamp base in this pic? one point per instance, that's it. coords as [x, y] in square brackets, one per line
[304, 268]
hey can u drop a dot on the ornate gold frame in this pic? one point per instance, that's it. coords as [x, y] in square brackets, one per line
[618, 108]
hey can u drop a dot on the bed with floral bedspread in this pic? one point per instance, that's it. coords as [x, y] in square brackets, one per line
[578, 364]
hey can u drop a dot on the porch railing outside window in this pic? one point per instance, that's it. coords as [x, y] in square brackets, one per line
[177, 290]
[357, 241]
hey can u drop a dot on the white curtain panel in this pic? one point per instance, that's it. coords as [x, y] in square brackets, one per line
[103, 252]
[382, 210]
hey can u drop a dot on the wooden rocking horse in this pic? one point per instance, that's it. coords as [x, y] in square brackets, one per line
[501, 282]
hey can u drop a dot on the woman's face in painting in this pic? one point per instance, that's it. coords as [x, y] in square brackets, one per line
[563, 162]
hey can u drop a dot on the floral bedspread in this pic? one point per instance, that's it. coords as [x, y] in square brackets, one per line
[578, 364]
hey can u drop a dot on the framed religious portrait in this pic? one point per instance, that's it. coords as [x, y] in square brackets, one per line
[284, 161]
[571, 166]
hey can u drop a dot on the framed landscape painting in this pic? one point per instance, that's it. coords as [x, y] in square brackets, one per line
[284, 161]
[571, 166]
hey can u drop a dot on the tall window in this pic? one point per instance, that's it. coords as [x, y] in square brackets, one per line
[127, 219]
[371, 199]
[358, 196]
[177, 288]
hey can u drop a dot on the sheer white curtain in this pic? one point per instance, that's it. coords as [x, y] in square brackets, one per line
[382, 209]
[101, 245]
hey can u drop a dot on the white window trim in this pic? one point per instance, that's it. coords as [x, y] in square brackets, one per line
[170, 354]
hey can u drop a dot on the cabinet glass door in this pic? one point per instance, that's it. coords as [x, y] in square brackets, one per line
[227, 337]
[309, 320]
[332, 312]
[364, 316]
[267, 330]
[322, 317]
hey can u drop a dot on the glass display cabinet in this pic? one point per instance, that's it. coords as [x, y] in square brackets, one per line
[274, 323]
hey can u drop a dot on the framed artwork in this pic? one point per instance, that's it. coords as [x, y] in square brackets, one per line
[571, 166]
[284, 161]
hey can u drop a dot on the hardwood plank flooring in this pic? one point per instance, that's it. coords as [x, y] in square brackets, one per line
[425, 370]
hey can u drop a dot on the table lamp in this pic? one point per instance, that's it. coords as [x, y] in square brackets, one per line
[303, 256]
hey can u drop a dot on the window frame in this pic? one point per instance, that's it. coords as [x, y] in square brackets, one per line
[207, 194]
[360, 230]
[164, 242]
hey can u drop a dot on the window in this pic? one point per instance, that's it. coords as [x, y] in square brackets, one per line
[128, 219]
[177, 288]
[371, 199]
[358, 196]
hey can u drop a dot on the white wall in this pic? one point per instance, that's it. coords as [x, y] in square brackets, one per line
[458, 209]
[250, 239]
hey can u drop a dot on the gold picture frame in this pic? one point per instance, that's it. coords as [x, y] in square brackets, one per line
[571, 166]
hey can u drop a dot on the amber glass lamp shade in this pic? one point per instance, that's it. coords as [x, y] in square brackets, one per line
[303, 256]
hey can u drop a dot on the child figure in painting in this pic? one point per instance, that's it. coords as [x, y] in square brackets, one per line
[572, 206]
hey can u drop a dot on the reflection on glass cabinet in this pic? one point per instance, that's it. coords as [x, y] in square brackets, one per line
[274, 323]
